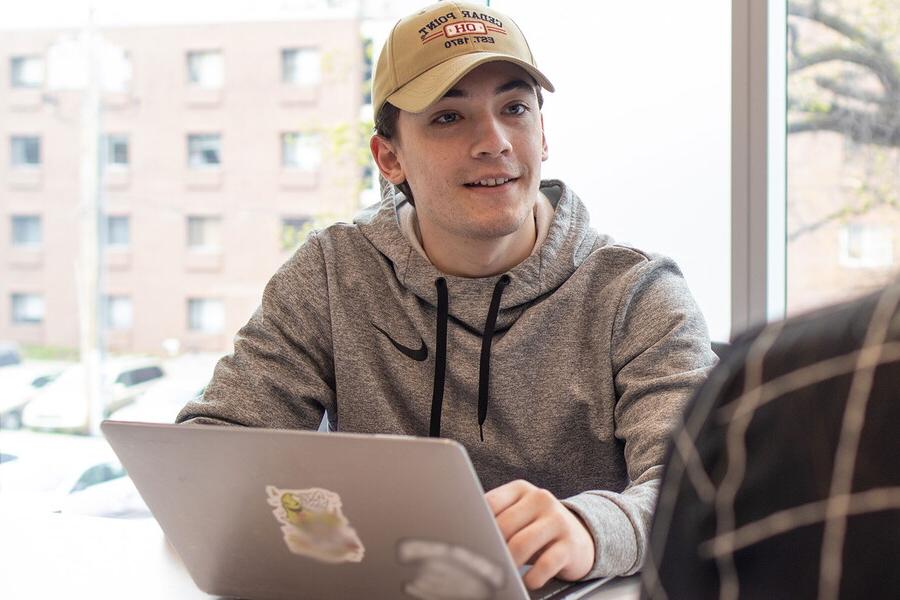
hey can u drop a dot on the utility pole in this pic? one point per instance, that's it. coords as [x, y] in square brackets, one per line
[90, 214]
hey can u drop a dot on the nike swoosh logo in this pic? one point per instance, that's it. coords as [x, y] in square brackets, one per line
[418, 355]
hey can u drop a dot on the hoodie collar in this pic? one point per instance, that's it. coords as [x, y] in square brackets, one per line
[569, 239]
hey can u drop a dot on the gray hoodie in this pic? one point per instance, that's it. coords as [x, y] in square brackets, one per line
[568, 371]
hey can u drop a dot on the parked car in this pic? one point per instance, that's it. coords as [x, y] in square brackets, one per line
[61, 405]
[186, 378]
[9, 354]
[19, 384]
[39, 470]
[115, 498]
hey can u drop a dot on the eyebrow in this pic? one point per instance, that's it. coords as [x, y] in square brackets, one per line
[515, 84]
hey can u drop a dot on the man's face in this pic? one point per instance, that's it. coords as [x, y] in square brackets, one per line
[473, 159]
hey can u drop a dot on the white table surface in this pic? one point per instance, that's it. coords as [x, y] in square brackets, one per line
[69, 556]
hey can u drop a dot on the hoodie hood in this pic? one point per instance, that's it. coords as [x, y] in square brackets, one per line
[568, 243]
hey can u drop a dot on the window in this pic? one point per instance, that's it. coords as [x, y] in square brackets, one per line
[26, 71]
[25, 151]
[843, 151]
[301, 151]
[368, 69]
[118, 231]
[118, 312]
[294, 231]
[204, 150]
[205, 315]
[301, 66]
[204, 233]
[27, 308]
[865, 245]
[114, 150]
[26, 231]
[206, 68]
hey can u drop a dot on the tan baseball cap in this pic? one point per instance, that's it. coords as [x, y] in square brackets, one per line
[426, 53]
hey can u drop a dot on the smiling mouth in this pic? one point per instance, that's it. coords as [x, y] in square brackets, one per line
[489, 183]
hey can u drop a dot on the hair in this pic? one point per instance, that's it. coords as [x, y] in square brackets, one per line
[386, 127]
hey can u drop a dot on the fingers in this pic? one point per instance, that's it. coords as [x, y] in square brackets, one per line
[529, 507]
[528, 542]
[539, 528]
[550, 563]
[501, 498]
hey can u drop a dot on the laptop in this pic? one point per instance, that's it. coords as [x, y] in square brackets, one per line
[263, 513]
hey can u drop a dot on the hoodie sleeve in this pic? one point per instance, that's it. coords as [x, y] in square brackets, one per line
[660, 353]
[281, 374]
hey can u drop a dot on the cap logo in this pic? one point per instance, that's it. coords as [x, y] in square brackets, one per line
[464, 28]
[476, 23]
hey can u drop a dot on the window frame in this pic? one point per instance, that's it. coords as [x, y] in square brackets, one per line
[758, 162]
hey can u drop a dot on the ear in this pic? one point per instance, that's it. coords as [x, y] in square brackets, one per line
[544, 152]
[385, 154]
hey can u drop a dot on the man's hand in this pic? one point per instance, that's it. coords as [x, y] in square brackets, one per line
[541, 531]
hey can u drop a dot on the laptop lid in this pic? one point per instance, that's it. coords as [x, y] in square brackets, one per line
[266, 513]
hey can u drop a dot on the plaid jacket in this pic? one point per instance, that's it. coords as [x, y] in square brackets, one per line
[784, 480]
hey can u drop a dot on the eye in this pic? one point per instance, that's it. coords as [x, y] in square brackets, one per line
[517, 109]
[446, 118]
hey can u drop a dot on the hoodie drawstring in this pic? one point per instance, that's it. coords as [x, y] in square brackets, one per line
[484, 374]
[440, 356]
[440, 359]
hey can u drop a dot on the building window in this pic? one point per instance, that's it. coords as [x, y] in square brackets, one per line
[26, 71]
[114, 150]
[368, 69]
[204, 150]
[301, 66]
[866, 246]
[118, 231]
[118, 312]
[205, 315]
[294, 231]
[27, 309]
[25, 151]
[206, 68]
[204, 233]
[26, 231]
[301, 151]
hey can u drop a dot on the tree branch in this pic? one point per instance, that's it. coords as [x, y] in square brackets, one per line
[815, 13]
[842, 89]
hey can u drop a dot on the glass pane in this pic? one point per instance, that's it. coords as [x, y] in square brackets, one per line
[204, 233]
[301, 66]
[206, 68]
[25, 151]
[115, 150]
[643, 134]
[203, 150]
[26, 231]
[118, 231]
[301, 151]
[27, 308]
[843, 205]
[26, 71]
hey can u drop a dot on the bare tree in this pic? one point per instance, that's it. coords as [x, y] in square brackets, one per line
[852, 87]
[867, 116]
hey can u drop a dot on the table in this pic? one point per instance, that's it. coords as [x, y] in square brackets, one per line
[61, 556]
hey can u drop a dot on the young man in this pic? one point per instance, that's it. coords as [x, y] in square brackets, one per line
[480, 306]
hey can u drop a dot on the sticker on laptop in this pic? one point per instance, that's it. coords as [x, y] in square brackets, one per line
[448, 572]
[314, 525]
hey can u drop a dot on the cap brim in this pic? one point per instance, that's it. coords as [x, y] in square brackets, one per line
[430, 86]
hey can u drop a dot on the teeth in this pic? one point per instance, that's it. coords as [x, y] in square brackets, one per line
[492, 182]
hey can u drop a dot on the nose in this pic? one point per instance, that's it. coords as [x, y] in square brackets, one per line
[491, 139]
